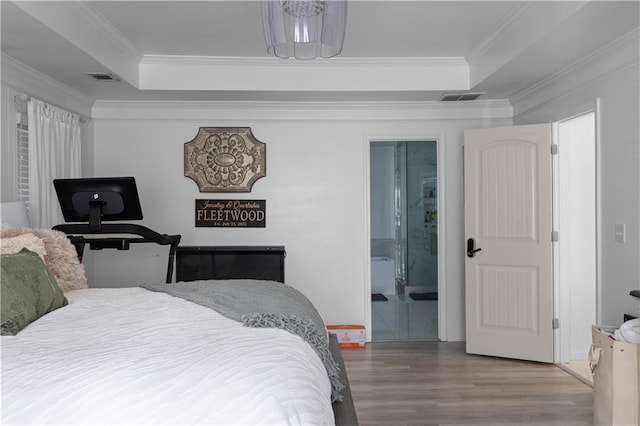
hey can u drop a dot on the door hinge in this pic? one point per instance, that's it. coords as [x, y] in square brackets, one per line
[554, 236]
[554, 149]
[555, 323]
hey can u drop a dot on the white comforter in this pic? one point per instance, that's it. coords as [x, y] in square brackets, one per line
[131, 356]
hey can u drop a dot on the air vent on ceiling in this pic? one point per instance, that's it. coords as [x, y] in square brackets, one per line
[467, 96]
[102, 76]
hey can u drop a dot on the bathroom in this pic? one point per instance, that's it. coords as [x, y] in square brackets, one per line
[404, 240]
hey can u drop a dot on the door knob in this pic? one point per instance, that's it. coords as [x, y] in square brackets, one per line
[471, 247]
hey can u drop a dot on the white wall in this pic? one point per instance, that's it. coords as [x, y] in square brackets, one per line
[611, 76]
[576, 183]
[316, 188]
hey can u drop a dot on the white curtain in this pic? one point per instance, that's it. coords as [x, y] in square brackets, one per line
[54, 153]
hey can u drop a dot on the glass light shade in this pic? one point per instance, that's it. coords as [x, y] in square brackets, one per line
[304, 29]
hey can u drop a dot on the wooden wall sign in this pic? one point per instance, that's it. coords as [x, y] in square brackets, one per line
[225, 159]
[231, 213]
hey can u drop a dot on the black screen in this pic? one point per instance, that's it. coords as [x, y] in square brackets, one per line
[117, 198]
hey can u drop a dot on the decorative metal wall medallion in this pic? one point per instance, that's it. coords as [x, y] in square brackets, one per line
[225, 159]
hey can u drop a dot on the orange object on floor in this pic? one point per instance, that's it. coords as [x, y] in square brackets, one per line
[349, 336]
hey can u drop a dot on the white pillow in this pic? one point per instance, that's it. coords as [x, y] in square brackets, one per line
[29, 241]
[629, 331]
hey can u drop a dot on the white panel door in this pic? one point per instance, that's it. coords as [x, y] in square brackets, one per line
[508, 221]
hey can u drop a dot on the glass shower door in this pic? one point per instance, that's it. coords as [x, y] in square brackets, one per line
[417, 217]
[417, 238]
[405, 229]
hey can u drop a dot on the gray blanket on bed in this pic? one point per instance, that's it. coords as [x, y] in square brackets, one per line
[257, 303]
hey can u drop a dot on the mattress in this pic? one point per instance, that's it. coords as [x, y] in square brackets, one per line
[131, 356]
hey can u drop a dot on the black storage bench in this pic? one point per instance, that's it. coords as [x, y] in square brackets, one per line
[230, 262]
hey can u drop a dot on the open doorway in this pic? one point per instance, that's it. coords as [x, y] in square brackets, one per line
[575, 251]
[404, 239]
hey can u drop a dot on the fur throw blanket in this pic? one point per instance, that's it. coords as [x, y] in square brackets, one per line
[60, 256]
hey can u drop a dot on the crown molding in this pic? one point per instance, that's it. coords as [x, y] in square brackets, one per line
[529, 22]
[202, 111]
[627, 42]
[99, 22]
[513, 20]
[336, 62]
[90, 32]
[27, 80]
[541, 102]
[605, 63]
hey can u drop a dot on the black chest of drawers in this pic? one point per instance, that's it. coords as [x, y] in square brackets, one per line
[230, 262]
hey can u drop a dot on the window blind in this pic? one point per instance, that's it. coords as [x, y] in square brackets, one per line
[22, 150]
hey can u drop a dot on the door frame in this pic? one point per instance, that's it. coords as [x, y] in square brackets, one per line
[442, 279]
[562, 337]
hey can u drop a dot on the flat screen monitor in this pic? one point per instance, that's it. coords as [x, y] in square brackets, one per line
[95, 200]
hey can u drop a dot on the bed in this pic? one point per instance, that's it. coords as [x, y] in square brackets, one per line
[182, 353]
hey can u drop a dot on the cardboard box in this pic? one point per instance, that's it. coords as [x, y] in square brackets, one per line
[349, 336]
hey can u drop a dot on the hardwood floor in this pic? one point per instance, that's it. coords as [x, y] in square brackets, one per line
[435, 383]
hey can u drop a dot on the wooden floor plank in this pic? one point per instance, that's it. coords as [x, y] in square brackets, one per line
[436, 383]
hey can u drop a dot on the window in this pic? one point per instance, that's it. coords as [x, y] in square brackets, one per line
[53, 145]
[22, 152]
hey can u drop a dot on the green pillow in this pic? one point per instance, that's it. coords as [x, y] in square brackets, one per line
[29, 290]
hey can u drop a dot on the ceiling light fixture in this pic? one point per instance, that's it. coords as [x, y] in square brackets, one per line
[304, 29]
